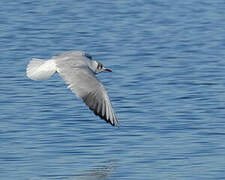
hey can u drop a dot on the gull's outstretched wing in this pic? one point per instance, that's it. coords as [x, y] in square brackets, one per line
[82, 81]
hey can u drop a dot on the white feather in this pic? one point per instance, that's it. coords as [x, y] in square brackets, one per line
[39, 69]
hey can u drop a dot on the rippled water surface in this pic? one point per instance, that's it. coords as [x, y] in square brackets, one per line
[167, 87]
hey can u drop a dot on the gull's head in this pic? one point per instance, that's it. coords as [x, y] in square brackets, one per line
[98, 67]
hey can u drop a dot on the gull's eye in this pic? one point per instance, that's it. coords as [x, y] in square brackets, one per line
[100, 66]
[88, 56]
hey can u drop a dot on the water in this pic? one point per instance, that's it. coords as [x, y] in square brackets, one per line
[167, 87]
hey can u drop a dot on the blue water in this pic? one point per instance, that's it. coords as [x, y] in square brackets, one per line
[167, 87]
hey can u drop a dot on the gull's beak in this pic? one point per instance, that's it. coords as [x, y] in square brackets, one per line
[109, 70]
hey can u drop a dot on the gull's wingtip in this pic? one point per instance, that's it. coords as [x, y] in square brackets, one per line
[115, 123]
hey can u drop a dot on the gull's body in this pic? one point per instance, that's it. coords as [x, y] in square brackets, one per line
[78, 71]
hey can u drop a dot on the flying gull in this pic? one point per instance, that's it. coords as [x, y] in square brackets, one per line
[78, 71]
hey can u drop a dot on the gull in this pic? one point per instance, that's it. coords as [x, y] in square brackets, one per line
[78, 70]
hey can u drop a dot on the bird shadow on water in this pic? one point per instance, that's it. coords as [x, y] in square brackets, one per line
[102, 171]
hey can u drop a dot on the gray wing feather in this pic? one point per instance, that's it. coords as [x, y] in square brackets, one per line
[77, 75]
[82, 81]
[98, 101]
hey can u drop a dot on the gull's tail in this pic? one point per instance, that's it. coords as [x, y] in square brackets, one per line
[39, 69]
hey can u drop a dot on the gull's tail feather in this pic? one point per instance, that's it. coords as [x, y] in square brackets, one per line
[39, 69]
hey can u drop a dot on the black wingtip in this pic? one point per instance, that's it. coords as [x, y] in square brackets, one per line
[89, 99]
[104, 117]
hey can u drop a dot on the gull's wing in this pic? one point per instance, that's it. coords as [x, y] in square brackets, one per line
[82, 81]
